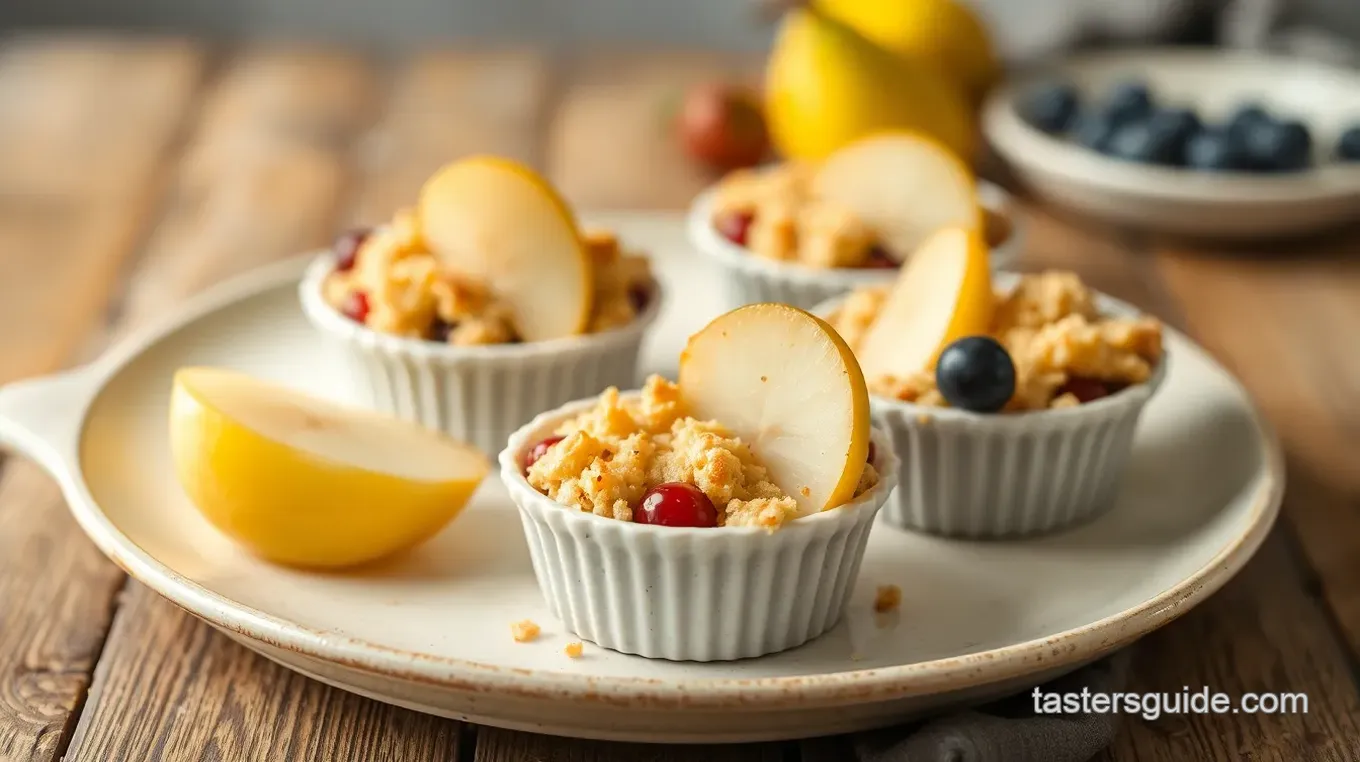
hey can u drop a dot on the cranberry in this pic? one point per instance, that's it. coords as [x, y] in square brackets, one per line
[356, 307]
[441, 329]
[539, 450]
[638, 296]
[676, 504]
[879, 259]
[1085, 389]
[346, 248]
[734, 227]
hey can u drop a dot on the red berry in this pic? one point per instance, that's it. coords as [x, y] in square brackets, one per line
[1084, 389]
[346, 248]
[734, 227]
[356, 307]
[638, 296]
[539, 450]
[676, 504]
[879, 259]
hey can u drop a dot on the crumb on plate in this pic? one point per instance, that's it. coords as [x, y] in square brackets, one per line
[525, 630]
[574, 649]
[888, 598]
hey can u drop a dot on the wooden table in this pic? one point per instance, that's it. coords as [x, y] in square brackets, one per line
[135, 171]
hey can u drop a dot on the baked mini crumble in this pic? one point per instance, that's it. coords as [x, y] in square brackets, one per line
[606, 460]
[1065, 352]
[773, 213]
[574, 649]
[389, 280]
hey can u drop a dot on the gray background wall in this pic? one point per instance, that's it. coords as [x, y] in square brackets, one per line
[726, 24]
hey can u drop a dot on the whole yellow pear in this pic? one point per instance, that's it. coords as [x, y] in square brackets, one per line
[946, 33]
[827, 85]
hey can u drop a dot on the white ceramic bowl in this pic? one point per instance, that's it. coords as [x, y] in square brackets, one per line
[687, 594]
[1219, 205]
[478, 394]
[749, 278]
[978, 475]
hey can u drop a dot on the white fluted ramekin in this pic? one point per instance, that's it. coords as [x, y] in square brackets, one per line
[478, 394]
[691, 594]
[981, 475]
[749, 278]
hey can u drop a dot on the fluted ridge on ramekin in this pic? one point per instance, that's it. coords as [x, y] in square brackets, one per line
[691, 594]
[476, 394]
[749, 278]
[1006, 475]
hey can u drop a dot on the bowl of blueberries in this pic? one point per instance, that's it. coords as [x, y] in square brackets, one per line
[1209, 143]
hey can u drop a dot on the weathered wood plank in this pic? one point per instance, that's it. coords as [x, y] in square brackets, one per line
[611, 143]
[264, 176]
[495, 745]
[258, 187]
[73, 201]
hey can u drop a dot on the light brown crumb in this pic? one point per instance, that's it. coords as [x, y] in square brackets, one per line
[805, 491]
[574, 649]
[525, 631]
[888, 598]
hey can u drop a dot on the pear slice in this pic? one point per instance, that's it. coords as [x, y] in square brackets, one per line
[943, 293]
[903, 185]
[785, 382]
[498, 220]
[305, 482]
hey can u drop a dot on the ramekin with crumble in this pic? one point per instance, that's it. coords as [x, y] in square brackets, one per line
[777, 241]
[657, 534]
[1054, 454]
[1065, 352]
[390, 282]
[438, 347]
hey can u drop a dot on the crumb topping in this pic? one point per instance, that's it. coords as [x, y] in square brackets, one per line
[1055, 336]
[574, 649]
[790, 223]
[616, 451]
[524, 631]
[409, 294]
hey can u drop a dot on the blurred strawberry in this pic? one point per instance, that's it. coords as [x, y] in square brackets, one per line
[722, 126]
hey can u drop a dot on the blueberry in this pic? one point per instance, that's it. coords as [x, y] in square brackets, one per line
[1141, 142]
[1094, 130]
[1128, 101]
[1215, 150]
[1174, 127]
[1348, 146]
[1279, 147]
[1050, 107]
[976, 373]
[1247, 118]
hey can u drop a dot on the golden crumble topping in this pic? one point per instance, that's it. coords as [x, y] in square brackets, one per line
[1064, 351]
[790, 223]
[613, 453]
[397, 286]
[574, 649]
[525, 631]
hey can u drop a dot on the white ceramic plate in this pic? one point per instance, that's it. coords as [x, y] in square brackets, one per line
[1223, 205]
[431, 630]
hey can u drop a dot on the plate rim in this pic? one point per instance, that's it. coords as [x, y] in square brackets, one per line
[1073, 646]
